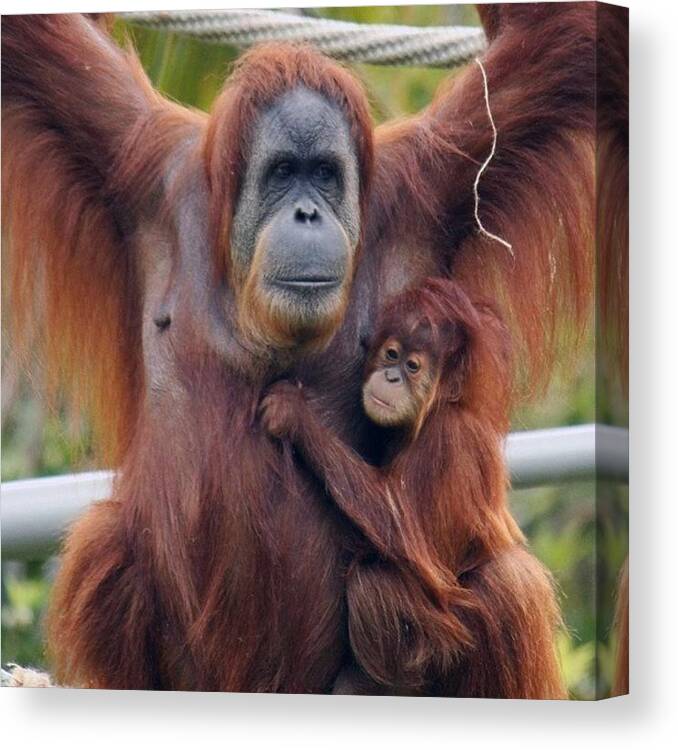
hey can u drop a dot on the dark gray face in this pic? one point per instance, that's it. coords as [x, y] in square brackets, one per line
[297, 219]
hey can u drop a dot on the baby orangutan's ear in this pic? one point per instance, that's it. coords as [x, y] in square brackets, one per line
[455, 390]
[458, 365]
[453, 338]
[454, 347]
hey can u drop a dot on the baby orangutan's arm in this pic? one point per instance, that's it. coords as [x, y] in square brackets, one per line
[362, 492]
[405, 608]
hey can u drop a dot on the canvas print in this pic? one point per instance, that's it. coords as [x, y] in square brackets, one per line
[315, 351]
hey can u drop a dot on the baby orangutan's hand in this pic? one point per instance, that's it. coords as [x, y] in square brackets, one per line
[281, 408]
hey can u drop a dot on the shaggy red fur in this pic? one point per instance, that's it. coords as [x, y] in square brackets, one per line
[220, 563]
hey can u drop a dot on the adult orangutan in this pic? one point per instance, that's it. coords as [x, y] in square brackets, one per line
[176, 264]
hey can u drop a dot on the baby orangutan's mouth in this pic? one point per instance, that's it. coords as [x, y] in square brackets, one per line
[381, 403]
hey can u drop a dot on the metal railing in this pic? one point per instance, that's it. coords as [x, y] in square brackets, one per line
[35, 512]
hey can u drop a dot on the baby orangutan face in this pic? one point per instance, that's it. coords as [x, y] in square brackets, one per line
[399, 388]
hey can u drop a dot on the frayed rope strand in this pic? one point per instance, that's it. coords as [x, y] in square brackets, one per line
[476, 196]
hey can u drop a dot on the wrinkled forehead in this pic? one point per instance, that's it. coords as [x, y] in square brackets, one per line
[303, 122]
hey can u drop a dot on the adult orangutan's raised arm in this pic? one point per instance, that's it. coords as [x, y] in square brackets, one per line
[85, 140]
[81, 96]
[537, 191]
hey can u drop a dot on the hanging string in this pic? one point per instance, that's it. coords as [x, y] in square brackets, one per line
[476, 196]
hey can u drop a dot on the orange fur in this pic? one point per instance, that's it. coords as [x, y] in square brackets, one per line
[426, 606]
[219, 563]
[538, 191]
[85, 138]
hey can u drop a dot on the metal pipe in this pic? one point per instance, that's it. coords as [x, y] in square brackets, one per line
[36, 512]
[567, 454]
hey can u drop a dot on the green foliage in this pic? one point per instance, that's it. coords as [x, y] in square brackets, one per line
[582, 542]
[25, 590]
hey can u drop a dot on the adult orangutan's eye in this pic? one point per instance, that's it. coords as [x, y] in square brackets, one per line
[324, 172]
[283, 170]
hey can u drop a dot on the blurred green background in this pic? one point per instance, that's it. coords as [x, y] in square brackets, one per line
[579, 534]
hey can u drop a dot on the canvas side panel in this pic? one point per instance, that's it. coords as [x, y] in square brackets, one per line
[612, 351]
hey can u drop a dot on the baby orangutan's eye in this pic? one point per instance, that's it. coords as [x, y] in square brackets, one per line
[412, 365]
[391, 354]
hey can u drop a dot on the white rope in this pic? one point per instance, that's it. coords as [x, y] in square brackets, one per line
[476, 196]
[382, 44]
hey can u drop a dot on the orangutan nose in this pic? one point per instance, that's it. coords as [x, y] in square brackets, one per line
[392, 375]
[306, 213]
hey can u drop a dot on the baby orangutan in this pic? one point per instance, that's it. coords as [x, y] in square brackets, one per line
[436, 383]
